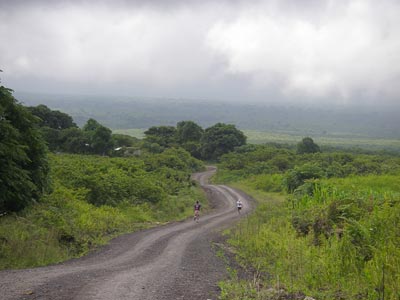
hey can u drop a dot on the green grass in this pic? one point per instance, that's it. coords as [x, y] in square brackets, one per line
[355, 265]
[333, 235]
[135, 132]
[260, 137]
[64, 226]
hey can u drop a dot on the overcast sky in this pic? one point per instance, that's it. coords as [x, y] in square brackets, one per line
[311, 51]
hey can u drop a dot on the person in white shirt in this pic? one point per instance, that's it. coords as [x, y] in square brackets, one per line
[239, 205]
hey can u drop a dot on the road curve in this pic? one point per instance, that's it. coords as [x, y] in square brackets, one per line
[175, 261]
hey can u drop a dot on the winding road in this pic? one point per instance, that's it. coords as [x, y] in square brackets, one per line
[175, 261]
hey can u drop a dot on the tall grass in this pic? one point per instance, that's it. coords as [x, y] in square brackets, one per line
[341, 242]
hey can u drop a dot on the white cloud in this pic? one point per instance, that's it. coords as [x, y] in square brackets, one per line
[345, 50]
[81, 42]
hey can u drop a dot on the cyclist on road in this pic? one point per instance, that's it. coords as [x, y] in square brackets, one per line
[197, 208]
[239, 205]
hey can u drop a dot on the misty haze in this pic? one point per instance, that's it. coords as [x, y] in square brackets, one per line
[317, 68]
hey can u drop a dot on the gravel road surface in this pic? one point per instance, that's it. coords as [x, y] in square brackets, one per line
[175, 261]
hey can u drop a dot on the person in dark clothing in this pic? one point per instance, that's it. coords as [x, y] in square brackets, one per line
[197, 207]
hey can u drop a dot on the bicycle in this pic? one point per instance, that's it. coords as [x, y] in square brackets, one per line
[196, 216]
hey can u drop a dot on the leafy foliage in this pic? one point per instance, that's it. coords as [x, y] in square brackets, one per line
[52, 118]
[307, 145]
[99, 137]
[24, 168]
[62, 134]
[93, 199]
[189, 135]
[298, 176]
[188, 131]
[165, 136]
[124, 140]
[73, 140]
[335, 236]
[110, 181]
[205, 144]
[221, 139]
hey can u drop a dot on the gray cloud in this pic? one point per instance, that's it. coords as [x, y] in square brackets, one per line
[315, 51]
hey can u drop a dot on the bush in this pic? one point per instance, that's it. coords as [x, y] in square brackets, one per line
[95, 198]
[335, 237]
[296, 177]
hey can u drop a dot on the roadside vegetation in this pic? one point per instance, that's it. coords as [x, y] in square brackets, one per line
[61, 204]
[326, 225]
[93, 199]
[65, 190]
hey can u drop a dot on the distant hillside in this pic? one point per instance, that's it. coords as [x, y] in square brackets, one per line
[125, 113]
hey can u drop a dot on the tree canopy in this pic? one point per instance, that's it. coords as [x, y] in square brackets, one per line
[62, 134]
[220, 139]
[189, 131]
[189, 135]
[307, 145]
[165, 136]
[52, 118]
[24, 167]
[52, 123]
[99, 136]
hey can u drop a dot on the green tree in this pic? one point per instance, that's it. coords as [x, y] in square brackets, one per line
[188, 131]
[52, 118]
[220, 139]
[307, 145]
[52, 137]
[74, 140]
[91, 125]
[52, 123]
[297, 177]
[100, 137]
[123, 140]
[188, 136]
[101, 140]
[165, 136]
[23, 161]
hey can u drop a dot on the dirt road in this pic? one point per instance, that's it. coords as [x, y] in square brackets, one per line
[170, 262]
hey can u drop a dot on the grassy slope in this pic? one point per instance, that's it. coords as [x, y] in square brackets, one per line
[64, 225]
[259, 137]
[356, 266]
[135, 132]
